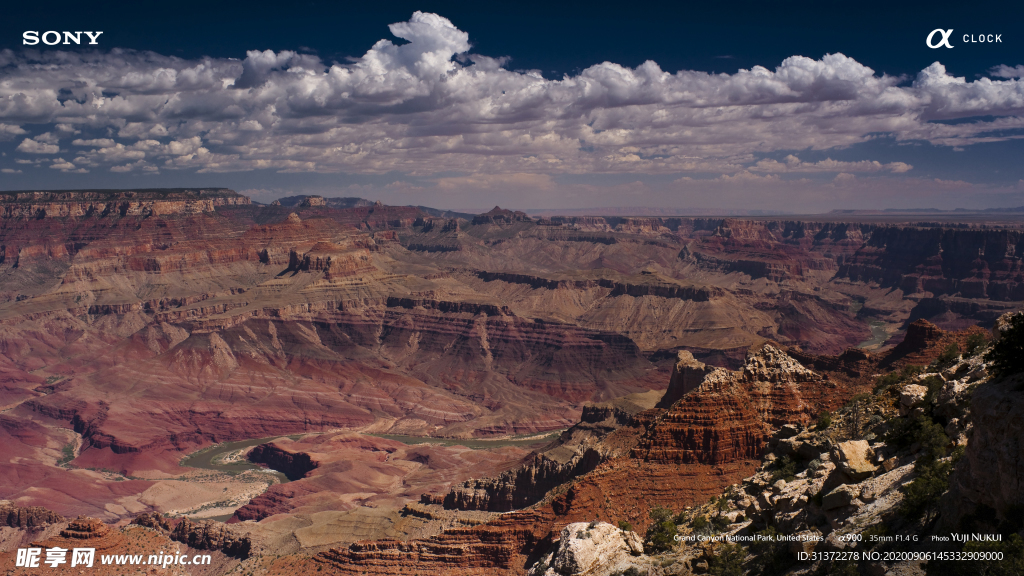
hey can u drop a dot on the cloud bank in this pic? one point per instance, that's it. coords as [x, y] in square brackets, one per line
[429, 106]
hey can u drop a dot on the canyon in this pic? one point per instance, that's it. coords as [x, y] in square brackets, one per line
[137, 327]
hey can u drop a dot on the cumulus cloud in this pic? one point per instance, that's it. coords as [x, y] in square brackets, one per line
[1004, 71]
[10, 171]
[101, 142]
[9, 131]
[65, 166]
[428, 106]
[30, 146]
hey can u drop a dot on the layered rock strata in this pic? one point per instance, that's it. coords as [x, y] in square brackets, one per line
[116, 203]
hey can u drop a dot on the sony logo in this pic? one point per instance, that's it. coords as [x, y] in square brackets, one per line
[52, 37]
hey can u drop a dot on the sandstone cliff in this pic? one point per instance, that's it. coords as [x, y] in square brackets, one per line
[294, 465]
[32, 517]
[116, 203]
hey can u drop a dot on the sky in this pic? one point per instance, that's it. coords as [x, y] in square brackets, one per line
[792, 107]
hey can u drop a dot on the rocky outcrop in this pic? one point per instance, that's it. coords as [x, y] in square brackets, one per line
[657, 287]
[450, 307]
[116, 203]
[728, 416]
[591, 549]
[519, 487]
[337, 260]
[31, 518]
[84, 529]
[212, 535]
[605, 431]
[990, 477]
[152, 520]
[313, 200]
[687, 374]
[291, 464]
[950, 261]
[496, 548]
[85, 532]
[498, 215]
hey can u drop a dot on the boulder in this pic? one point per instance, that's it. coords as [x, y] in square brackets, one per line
[809, 450]
[1001, 325]
[842, 496]
[788, 447]
[597, 548]
[788, 431]
[854, 459]
[911, 396]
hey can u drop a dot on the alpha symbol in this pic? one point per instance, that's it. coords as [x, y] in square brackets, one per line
[945, 38]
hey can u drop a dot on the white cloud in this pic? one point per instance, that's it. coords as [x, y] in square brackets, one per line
[1004, 71]
[794, 164]
[429, 106]
[30, 146]
[47, 138]
[65, 166]
[844, 178]
[100, 142]
[9, 131]
[10, 171]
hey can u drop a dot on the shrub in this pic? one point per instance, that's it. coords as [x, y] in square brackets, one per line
[824, 420]
[625, 526]
[975, 342]
[700, 525]
[932, 438]
[843, 568]
[922, 430]
[885, 382]
[856, 406]
[785, 469]
[889, 380]
[720, 523]
[1007, 353]
[682, 518]
[728, 560]
[874, 530]
[934, 384]
[771, 555]
[813, 465]
[921, 496]
[661, 533]
[722, 503]
[949, 355]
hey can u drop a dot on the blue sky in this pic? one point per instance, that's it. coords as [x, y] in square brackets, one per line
[789, 106]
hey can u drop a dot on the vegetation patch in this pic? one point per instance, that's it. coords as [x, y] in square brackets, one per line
[662, 531]
[1007, 353]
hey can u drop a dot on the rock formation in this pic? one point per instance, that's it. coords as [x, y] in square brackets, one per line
[591, 549]
[988, 480]
[727, 416]
[139, 326]
[292, 465]
[116, 203]
[32, 517]
[210, 535]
